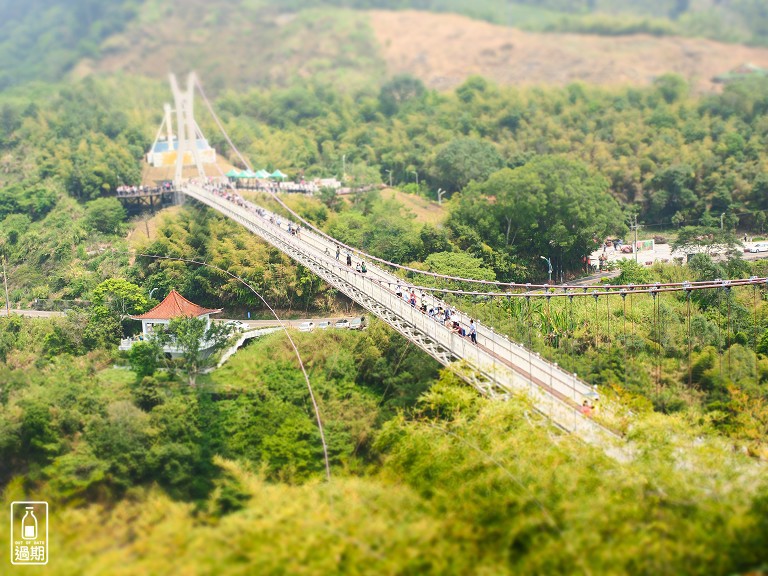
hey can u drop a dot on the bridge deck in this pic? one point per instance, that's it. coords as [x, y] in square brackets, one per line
[496, 366]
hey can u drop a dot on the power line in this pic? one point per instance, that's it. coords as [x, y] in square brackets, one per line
[282, 325]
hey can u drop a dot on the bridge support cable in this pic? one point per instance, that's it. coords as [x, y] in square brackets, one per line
[495, 375]
[690, 341]
[754, 333]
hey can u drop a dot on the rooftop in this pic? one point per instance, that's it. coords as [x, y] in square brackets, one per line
[175, 306]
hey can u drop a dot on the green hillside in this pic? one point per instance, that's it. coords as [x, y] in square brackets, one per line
[149, 475]
[48, 39]
[44, 39]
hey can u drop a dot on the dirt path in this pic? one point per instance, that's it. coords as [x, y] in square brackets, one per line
[425, 211]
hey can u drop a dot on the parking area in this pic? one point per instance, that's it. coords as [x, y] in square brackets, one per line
[664, 253]
[303, 324]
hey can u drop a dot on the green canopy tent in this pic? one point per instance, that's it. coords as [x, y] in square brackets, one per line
[248, 174]
[262, 174]
[232, 174]
[278, 174]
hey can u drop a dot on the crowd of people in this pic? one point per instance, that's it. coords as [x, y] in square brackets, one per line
[432, 308]
[141, 190]
[437, 312]
[302, 187]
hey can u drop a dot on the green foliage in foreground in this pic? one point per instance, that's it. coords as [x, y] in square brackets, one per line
[93, 433]
[427, 477]
[467, 486]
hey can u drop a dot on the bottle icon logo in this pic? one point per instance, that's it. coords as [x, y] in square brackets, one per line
[29, 524]
[29, 533]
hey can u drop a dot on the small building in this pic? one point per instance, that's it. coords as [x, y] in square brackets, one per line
[173, 306]
[740, 73]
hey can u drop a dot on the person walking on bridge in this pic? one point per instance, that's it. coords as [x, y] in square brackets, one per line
[338, 251]
[472, 331]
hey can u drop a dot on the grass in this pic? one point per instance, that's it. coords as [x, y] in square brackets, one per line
[426, 211]
[117, 381]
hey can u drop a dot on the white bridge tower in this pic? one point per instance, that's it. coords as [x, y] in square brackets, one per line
[188, 146]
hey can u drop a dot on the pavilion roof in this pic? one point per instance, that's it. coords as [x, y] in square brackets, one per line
[175, 306]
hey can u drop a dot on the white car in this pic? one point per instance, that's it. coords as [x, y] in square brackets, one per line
[323, 325]
[237, 325]
[343, 323]
[759, 247]
[306, 326]
[357, 323]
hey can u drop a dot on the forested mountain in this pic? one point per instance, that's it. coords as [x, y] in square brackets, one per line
[675, 159]
[44, 39]
[264, 42]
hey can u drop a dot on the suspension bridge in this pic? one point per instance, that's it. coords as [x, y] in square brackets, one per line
[496, 366]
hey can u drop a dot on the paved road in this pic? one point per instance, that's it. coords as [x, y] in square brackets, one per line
[35, 313]
[295, 323]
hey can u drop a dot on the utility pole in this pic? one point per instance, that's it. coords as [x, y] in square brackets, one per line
[5, 283]
[633, 226]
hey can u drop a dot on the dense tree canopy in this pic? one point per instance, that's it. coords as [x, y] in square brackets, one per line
[105, 215]
[550, 206]
[419, 462]
[462, 161]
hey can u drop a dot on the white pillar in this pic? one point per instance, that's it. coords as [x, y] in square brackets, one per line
[185, 127]
[168, 125]
[189, 124]
[178, 99]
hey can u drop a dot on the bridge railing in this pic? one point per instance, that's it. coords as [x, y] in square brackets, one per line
[508, 365]
[565, 382]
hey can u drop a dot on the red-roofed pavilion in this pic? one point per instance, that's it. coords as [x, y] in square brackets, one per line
[173, 306]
